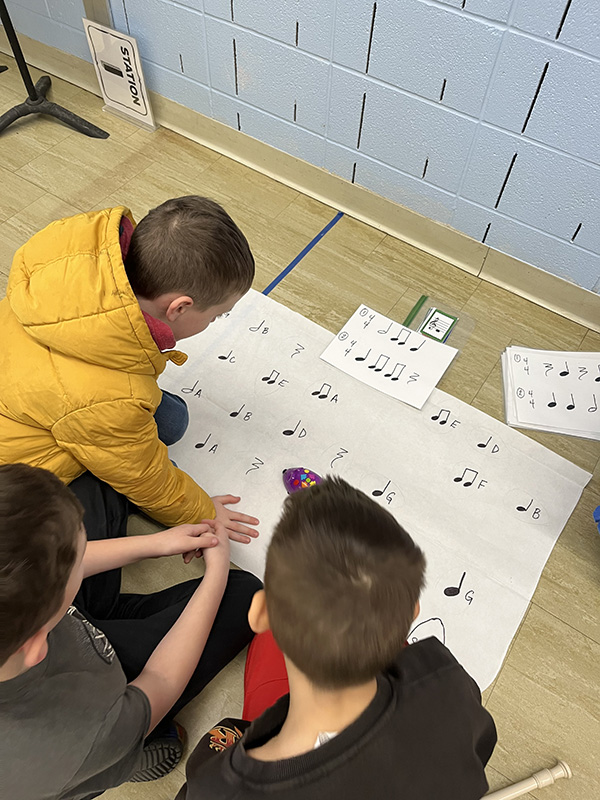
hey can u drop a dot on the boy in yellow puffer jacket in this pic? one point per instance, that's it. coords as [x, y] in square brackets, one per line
[94, 307]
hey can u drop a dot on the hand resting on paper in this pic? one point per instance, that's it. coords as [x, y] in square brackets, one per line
[232, 520]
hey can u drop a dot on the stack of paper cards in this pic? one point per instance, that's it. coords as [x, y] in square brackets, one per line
[389, 357]
[553, 391]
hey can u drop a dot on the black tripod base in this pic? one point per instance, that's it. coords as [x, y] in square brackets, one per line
[43, 106]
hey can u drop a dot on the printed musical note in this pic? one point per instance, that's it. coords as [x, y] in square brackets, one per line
[376, 366]
[467, 473]
[441, 413]
[570, 406]
[201, 444]
[593, 408]
[399, 368]
[525, 508]
[452, 591]
[258, 327]
[598, 378]
[414, 349]
[225, 358]
[484, 444]
[565, 371]
[235, 413]
[189, 389]
[270, 379]
[379, 492]
[323, 392]
[363, 358]
[552, 403]
[290, 432]
[402, 336]
[387, 329]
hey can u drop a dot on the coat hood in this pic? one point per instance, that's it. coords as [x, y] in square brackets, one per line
[69, 290]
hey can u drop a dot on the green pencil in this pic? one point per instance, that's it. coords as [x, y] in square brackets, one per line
[415, 310]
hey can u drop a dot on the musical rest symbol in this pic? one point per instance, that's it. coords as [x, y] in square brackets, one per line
[467, 474]
[452, 591]
[201, 444]
[235, 413]
[270, 379]
[441, 413]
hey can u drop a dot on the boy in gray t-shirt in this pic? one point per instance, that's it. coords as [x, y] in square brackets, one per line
[71, 726]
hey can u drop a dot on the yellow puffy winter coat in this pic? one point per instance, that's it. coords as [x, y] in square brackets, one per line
[78, 370]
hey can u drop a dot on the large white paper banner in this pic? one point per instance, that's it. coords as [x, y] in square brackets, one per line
[485, 502]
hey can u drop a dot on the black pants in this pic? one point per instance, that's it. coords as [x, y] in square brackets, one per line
[136, 623]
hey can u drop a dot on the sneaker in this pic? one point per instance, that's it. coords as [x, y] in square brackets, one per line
[161, 753]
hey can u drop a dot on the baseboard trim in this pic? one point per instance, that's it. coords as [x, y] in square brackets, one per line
[460, 250]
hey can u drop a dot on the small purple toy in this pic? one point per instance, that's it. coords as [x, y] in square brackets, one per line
[297, 478]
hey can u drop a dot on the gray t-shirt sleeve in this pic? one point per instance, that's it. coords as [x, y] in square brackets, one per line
[115, 754]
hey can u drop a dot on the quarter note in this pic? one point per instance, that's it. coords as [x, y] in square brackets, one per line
[270, 379]
[224, 358]
[452, 591]
[363, 358]
[414, 349]
[379, 492]
[441, 413]
[570, 406]
[565, 371]
[593, 408]
[552, 403]
[525, 508]
[484, 444]
[597, 380]
[323, 392]
[201, 444]
[235, 413]
[376, 366]
[290, 432]
[467, 474]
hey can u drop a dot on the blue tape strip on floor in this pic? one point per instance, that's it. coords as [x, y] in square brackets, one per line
[301, 255]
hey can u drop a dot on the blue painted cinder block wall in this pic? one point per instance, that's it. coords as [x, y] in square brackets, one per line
[481, 114]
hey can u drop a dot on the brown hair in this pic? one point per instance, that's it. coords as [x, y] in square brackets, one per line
[39, 522]
[342, 581]
[189, 245]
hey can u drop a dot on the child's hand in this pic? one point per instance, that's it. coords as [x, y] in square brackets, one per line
[187, 540]
[232, 519]
[218, 556]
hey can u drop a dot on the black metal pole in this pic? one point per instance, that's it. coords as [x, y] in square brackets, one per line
[37, 103]
[17, 52]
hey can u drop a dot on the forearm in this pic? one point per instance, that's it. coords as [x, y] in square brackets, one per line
[106, 554]
[174, 660]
